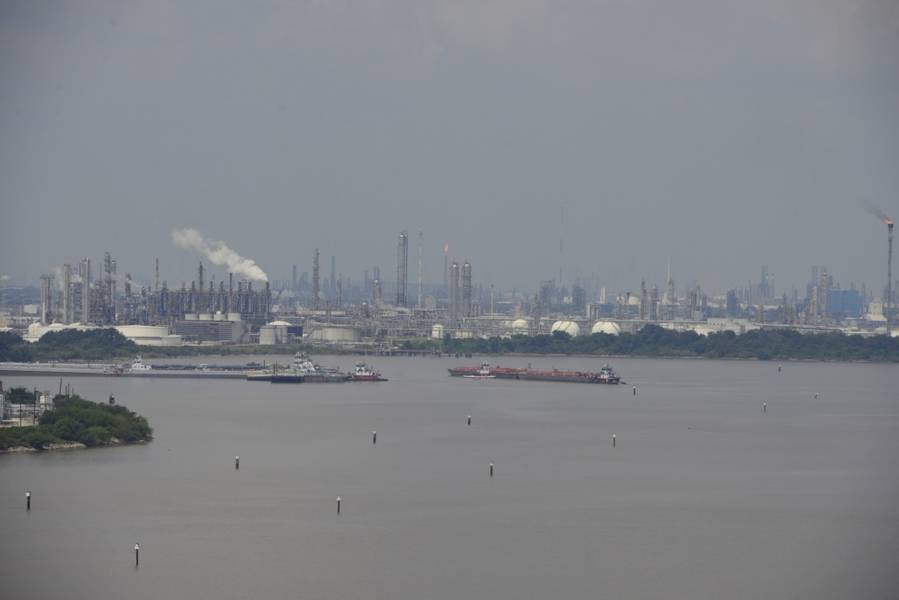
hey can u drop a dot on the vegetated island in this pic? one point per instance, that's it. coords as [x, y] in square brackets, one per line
[650, 341]
[74, 422]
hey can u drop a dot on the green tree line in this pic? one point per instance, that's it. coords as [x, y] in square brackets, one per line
[652, 340]
[71, 344]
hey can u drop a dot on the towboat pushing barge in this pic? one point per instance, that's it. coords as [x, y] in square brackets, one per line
[484, 371]
[306, 371]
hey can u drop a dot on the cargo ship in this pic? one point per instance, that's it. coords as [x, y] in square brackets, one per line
[605, 375]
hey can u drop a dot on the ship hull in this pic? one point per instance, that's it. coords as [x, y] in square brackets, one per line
[287, 379]
[325, 378]
[535, 375]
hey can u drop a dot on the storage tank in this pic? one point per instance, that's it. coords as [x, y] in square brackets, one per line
[519, 327]
[569, 327]
[336, 334]
[607, 327]
[149, 335]
[273, 333]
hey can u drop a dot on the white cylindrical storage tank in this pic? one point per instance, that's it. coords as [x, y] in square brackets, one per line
[148, 335]
[336, 333]
[267, 336]
[273, 333]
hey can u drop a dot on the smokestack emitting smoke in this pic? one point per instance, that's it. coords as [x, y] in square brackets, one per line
[879, 214]
[218, 253]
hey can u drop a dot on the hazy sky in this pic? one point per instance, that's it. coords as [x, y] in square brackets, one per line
[724, 134]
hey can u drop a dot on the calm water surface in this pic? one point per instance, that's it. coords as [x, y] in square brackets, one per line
[705, 496]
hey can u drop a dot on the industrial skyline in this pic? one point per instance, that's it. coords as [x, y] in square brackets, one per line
[825, 301]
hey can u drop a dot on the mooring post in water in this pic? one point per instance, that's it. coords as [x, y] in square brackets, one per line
[635, 390]
[614, 440]
[28, 500]
[338, 505]
[136, 555]
[236, 462]
[374, 437]
[469, 419]
[491, 469]
[764, 407]
[780, 368]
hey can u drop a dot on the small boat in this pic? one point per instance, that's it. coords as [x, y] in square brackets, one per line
[139, 365]
[363, 372]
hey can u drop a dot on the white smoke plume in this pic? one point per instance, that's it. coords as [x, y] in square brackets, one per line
[877, 212]
[218, 253]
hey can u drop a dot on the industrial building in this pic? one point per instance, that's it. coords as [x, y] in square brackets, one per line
[219, 328]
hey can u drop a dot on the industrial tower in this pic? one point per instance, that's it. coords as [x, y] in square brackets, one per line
[420, 241]
[316, 282]
[454, 294]
[402, 267]
[889, 304]
[466, 289]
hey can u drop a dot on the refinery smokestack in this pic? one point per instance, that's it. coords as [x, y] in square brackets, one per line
[888, 301]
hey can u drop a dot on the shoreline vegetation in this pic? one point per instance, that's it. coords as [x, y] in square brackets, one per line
[653, 341]
[77, 423]
[650, 342]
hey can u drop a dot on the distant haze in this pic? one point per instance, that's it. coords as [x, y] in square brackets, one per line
[721, 134]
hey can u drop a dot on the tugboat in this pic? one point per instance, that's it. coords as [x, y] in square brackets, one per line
[302, 371]
[139, 365]
[363, 372]
[483, 372]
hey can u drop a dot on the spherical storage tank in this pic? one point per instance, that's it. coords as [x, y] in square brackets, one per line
[569, 327]
[606, 327]
[519, 326]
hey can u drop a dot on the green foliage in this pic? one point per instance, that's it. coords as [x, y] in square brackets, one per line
[656, 341]
[70, 344]
[20, 395]
[74, 419]
[28, 437]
